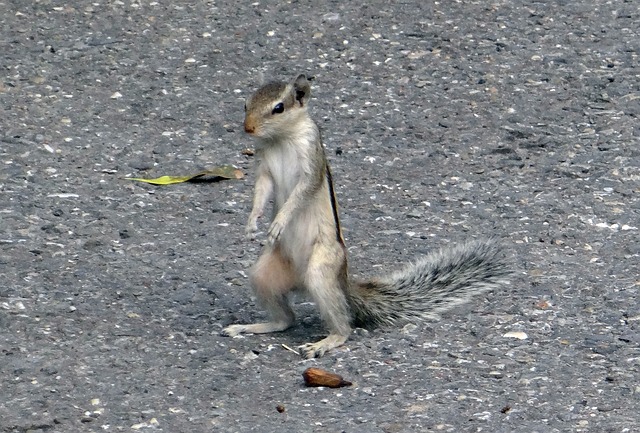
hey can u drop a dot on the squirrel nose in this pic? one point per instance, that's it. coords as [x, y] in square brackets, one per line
[249, 127]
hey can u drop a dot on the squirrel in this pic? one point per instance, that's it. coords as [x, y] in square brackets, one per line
[305, 249]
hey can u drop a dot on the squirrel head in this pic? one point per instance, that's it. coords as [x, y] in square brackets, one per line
[276, 108]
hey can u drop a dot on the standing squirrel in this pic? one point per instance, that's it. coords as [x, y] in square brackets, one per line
[306, 251]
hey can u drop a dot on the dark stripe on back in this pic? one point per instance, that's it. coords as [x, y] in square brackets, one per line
[334, 205]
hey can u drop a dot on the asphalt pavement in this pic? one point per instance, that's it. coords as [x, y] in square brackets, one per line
[443, 122]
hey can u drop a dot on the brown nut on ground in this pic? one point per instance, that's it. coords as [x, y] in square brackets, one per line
[318, 377]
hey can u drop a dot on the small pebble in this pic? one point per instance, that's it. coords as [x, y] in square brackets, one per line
[516, 334]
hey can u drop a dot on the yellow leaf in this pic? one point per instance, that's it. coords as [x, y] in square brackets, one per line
[224, 172]
[163, 180]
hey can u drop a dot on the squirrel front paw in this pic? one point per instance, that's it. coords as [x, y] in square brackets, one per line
[275, 231]
[252, 224]
[250, 230]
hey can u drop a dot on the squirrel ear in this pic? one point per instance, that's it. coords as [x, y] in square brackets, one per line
[302, 89]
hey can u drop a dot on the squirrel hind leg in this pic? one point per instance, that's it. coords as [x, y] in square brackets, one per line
[282, 318]
[272, 279]
[325, 281]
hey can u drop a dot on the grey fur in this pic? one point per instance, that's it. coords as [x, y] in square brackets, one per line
[430, 286]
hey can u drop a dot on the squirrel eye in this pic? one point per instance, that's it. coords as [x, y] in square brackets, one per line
[279, 108]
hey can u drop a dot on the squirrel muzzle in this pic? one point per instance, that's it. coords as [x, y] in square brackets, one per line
[249, 125]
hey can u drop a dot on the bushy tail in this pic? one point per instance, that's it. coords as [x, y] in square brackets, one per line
[433, 284]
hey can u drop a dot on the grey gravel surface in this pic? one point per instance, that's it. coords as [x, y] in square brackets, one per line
[443, 121]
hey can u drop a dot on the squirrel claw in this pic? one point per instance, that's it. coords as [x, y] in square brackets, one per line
[232, 330]
[274, 232]
[310, 351]
[251, 229]
[319, 348]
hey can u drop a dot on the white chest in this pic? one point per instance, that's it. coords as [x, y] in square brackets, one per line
[284, 166]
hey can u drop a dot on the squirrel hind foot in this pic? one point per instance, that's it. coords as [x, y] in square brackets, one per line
[256, 328]
[232, 331]
[319, 348]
